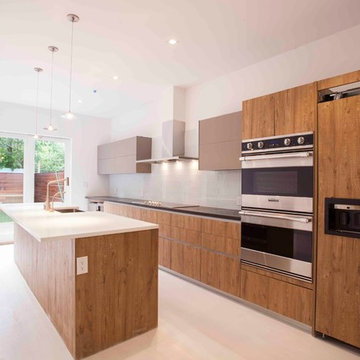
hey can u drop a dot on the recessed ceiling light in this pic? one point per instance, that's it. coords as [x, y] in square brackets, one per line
[115, 77]
[172, 41]
[80, 101]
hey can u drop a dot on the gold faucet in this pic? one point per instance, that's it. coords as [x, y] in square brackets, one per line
[49, 205]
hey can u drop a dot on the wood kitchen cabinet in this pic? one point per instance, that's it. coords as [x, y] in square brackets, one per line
[164, 252]
[288, 299]
[220, 142]
[208, 250]
[120, 157]
[286, 112]
[221, 272]
[295, 109]
[339, 80]
[221, 236]
[185, 259]
[338, 265]
[258, 117]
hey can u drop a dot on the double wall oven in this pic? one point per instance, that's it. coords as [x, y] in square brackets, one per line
[277, 203]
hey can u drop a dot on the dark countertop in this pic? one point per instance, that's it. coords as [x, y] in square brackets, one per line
[221, 213]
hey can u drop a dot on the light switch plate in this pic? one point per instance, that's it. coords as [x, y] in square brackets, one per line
[81, 265]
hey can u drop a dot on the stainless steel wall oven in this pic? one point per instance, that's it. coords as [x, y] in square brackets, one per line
[277, 203]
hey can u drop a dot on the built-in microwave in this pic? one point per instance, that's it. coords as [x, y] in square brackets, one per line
[277, 173]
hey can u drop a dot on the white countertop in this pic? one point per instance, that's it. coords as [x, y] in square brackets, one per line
[44, 225]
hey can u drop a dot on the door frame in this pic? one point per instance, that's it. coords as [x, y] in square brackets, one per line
[29, 162]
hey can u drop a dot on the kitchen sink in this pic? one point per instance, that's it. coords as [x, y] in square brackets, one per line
[68, 210]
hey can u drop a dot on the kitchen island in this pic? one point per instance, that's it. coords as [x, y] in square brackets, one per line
[94, 274]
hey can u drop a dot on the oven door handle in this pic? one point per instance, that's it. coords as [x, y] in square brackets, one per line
[277, 216]
[302, 154]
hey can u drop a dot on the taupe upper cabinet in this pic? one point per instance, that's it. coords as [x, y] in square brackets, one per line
[220, 142]
[295, 109]
[120, 157]
[285, 112]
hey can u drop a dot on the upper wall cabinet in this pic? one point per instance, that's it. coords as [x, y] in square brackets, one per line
[120, 157]
[295, 110]
[220, 142]
[286, 112]
[258, 117]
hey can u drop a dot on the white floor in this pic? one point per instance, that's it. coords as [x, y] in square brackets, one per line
[194, 323]
[6, 234]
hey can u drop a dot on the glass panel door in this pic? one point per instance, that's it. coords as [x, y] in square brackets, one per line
[49, 166]
[11, 169]
[11, 181]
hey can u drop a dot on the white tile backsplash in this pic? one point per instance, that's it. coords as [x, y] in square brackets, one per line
[181, 182]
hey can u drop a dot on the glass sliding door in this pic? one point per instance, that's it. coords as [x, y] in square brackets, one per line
[49, 165]
[11, 180]
[11, 169]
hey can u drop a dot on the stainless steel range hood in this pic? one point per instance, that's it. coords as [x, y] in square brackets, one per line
[173, 144]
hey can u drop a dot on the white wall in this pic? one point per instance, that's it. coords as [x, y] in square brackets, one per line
[327, 57]
[85, 133]
[330, 56]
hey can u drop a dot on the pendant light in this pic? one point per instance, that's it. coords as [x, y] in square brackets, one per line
[53, 50]
[73, 18]
[38, 71]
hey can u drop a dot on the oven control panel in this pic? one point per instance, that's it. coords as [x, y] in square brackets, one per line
[275, 143]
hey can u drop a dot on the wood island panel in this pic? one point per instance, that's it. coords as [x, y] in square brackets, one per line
[117, 299]
[49, 270]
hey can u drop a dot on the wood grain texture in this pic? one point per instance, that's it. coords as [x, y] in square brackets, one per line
[118, 298]
[49, 270]
[338, 265]
[277, 276]
[342, 79]
[185, 259]
[276, 295]
[220, 272]
[164, 252]
[258, 117]
[221, 236]
[295, 109]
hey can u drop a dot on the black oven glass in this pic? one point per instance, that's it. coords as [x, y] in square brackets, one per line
[290, 243]
[285, 181]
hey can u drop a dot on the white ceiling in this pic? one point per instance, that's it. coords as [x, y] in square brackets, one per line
[128, 38]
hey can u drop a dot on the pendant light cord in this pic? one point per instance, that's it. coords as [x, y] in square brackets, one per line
[71, 62]
[51, 84]
[37, 102]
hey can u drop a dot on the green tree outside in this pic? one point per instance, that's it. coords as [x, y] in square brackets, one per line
[11, 153]
[49, 155]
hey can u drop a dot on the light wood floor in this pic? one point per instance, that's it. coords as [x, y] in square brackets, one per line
[194, 324]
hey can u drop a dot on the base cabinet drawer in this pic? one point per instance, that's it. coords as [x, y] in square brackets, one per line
[185, 259]
[164, 252]
[284, 298]
[220, 272]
